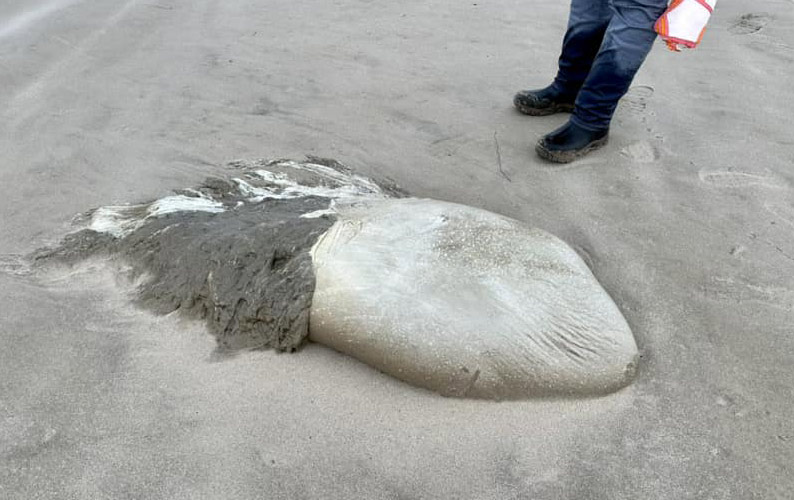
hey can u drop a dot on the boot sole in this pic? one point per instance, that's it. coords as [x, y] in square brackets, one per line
[556, 108]
[569, 156]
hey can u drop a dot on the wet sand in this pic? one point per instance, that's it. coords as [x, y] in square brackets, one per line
[686, 218]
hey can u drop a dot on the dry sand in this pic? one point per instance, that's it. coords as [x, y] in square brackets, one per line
[687, 219]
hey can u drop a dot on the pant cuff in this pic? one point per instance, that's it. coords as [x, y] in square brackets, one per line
[588, 126]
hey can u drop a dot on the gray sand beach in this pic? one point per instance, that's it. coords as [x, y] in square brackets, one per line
[686, 218]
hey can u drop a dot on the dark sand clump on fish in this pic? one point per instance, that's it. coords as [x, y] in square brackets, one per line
[247, 272]
[245, 268]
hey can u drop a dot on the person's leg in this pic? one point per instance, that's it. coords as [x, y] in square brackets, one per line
[627, 41]
[587, 23]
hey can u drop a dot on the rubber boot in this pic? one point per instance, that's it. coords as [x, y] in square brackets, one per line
[543, 102]
[570, 142]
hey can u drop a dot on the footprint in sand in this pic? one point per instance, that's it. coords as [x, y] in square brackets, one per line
[636, 99]
[733, 179]
[749, 23]
[14, 265]
[445, 146]
[641, 152]
[783, 212]
[740, 290]
[755, 24]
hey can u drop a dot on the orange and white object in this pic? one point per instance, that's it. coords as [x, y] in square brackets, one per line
[684, 23]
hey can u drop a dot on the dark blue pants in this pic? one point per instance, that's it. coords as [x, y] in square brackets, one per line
[605, 45]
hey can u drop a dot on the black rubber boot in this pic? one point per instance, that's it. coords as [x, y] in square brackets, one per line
[543, 102]
[570, 142]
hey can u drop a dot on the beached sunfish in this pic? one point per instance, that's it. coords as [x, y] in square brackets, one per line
[446, 297]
